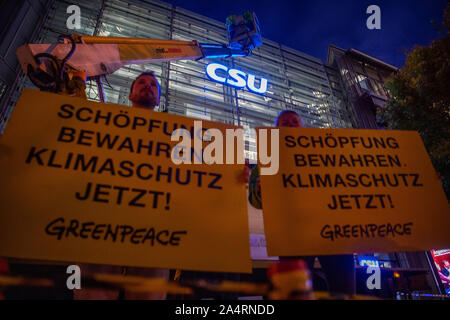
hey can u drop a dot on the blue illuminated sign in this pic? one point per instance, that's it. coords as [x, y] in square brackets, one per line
[234, 77]
[368, 261]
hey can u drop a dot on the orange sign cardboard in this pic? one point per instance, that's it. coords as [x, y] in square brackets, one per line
[90, 182]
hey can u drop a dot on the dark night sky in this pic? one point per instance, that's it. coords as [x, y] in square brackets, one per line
[311, 25]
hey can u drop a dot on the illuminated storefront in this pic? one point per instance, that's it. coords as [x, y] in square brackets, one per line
[441, 258]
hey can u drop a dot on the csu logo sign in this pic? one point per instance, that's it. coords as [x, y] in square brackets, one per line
[235, 78]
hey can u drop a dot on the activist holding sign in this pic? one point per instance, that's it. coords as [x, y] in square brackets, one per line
[90, 182]
[339, 269]
[145, 93]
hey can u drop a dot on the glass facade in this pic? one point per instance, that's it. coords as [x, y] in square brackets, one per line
[296, 81]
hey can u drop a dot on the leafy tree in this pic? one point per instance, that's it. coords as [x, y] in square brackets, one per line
[421, 99]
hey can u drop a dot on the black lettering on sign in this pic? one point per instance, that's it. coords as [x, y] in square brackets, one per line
[83, 118]
[290, 141]
[36, 155]
[132, 197]
[100, 190]
[216, 177]
[139, 193]
[416, 183]
[60, 229]
[155, 194]
[287, 179]
[66, 134]
[66, 111]
[342, 160]
[85, 194]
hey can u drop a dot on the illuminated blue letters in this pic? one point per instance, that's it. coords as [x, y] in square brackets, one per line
[251, 84]
[234, 77]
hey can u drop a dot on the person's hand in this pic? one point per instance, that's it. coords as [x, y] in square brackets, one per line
[244, 177]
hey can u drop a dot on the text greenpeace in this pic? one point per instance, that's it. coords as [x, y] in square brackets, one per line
[235, 78]
[190, 150]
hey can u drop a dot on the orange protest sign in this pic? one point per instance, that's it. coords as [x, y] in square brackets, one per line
[91, 182]
[341, 191]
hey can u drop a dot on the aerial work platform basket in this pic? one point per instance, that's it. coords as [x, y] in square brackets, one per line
[243, 31]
